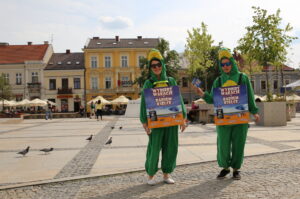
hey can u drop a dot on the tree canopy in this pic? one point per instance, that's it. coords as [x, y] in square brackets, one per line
[266, 41]
[202, 55]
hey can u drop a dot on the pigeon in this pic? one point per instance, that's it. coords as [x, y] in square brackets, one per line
[120, 127]
[90, 138]
[24, 152]
[109, 141]
[112, 127]
[47, 150]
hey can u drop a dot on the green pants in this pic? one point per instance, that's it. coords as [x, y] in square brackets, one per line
[231, 143]
[165, 139]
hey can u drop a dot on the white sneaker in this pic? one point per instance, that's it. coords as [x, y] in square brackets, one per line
[169, 181]
[151, 182]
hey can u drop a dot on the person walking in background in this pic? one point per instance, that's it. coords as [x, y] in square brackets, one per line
[48, 111]
[81, 111]
[166, 138]
[92, 106]
[231, 139]
[99, 107]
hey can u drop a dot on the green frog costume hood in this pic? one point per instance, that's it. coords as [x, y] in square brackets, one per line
[154, 54]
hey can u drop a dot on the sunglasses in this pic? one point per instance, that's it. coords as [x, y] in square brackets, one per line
[158, 65]
[226, 64]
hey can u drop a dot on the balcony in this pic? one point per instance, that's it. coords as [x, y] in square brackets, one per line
[64, 91]
[34, 87]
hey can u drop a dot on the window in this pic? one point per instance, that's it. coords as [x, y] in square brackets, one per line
[94, 82]
[94, 63]
[52, 84]
[252, 84]
[263, 85]
[275, 84]
[140, 58]
[287, 81]
[124, 61]
[19, 98]
[184, 82]
[34, 77]
[107, 60]
[76, 83]
[107, 82]
[6, 78]
[125, 82]
[18, 78]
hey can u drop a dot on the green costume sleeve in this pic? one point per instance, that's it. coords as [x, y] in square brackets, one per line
[208, 97]
[143, 113]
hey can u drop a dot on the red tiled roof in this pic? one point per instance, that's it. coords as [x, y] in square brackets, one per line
[13, 54]
[272, 68]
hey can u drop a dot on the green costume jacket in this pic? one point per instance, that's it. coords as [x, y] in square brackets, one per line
[152, 82]
[232, 79]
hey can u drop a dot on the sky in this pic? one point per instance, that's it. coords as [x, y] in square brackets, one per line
[67, 24]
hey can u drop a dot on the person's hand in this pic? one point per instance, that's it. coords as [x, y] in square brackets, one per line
[256, 117]
[199, 91]
[183, 126]
[148, 131]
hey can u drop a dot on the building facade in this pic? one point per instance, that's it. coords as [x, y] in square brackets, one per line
[259, 82]
[22, 66]
[112, 65]
[64, 81]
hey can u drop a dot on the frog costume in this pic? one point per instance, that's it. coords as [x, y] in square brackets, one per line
[165, 139]
[231, 138]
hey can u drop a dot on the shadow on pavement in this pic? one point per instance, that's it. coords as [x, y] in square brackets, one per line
[207, 189]
[130, 192]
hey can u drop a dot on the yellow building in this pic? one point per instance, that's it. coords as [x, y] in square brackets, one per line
[112, 65]
[64, 81]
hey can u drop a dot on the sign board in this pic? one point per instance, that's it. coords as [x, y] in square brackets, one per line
[163, 107]
[231, 105]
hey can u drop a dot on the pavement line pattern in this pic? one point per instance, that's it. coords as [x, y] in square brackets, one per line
[266, 176]
[83, 162]
[269, 143]
[27, 127]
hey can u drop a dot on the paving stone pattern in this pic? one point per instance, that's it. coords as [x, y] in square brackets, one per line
[83, 162]
[265, 176]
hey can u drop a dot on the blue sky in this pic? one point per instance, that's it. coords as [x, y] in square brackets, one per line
[69, 23]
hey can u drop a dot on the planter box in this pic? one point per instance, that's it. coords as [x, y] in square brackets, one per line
[272, 113]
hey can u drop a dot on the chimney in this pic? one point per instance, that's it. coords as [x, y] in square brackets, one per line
[96, 38]
[117, 39]
[29, 43]
[68, 51]
[46, 42]
[139, 37]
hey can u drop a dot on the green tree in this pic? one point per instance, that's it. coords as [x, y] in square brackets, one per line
[265, 41]
[199, 53]
[171, 58]
[5, 90]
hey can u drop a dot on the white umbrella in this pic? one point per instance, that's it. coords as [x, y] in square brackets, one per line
[120, 100]
[293, 97]
[5, 102]
[52, 103]
[103, 100]
[24, 102]
[12, 103]
[199, 101]
[37, 102]
[264, 98]
[258, 97]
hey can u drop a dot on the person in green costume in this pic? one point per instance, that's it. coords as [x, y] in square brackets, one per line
[230, 138]
[165, 139]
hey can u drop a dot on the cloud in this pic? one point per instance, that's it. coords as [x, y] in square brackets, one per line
[117, 22]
